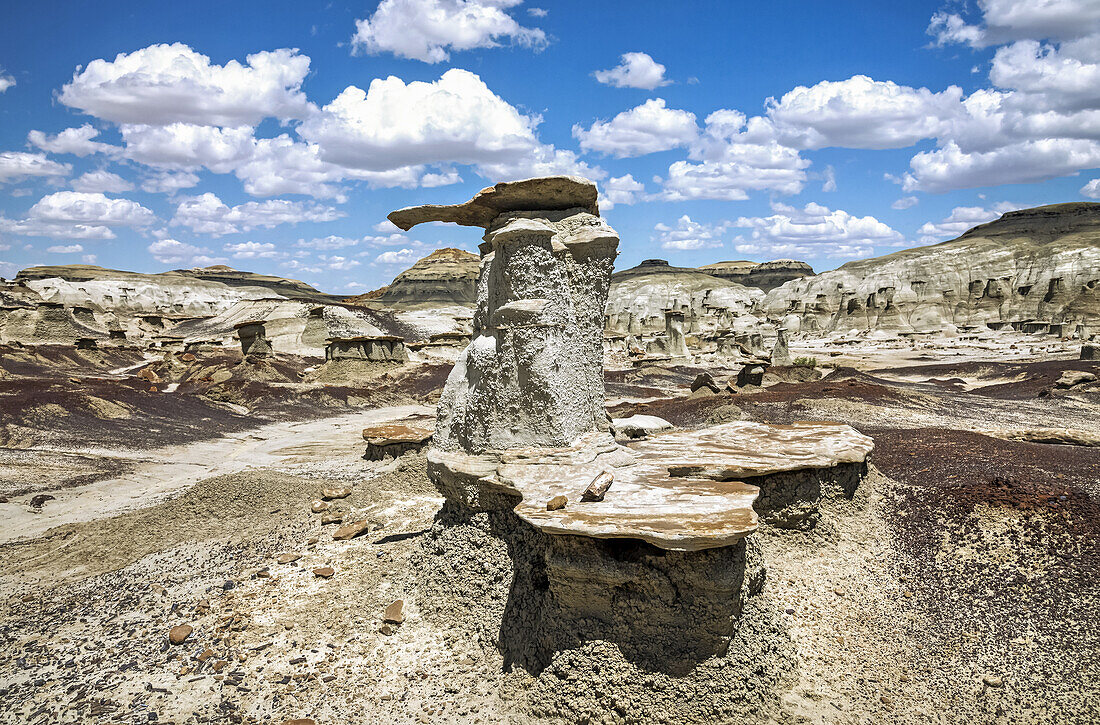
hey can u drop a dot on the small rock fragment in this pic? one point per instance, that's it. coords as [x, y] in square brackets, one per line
[180, 633]
[300, 721]
[324, 571]
[318, 506]
[288, 558]
[329, 494]
[331, 517]
[598, 487]
[40, 499]
[558, 502]
[992, 681]
[395, 612]
[351, 530]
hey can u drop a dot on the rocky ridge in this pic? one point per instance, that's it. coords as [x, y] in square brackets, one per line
[1033, 265]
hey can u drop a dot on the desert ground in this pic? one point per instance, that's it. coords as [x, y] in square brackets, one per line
[957, 584]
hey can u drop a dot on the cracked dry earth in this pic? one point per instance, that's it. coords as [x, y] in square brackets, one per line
[957, 586]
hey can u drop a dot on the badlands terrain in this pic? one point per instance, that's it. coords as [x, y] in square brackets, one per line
[197, 531]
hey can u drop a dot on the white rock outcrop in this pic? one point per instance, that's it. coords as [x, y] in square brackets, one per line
[1039, 264]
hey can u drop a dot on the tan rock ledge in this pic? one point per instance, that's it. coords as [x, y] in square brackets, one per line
[684, 490]
[547, 193]
[398, 437]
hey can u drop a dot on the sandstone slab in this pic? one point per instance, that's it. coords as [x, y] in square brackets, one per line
[550, 193]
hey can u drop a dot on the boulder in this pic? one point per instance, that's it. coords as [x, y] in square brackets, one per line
[639, 426]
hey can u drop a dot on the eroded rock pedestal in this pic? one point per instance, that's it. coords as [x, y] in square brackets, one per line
[658, 563]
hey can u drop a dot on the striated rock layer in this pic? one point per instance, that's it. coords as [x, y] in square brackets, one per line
[1040, 264]
[764, 275]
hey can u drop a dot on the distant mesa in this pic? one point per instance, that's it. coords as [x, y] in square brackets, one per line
[445, 277]
[763, 275]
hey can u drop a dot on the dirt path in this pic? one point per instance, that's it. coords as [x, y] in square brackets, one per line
[166, 472]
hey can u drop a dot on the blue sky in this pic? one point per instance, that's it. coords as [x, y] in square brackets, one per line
[276, 136]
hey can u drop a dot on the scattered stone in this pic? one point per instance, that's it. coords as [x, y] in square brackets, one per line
[299, 721]
[704, 384]
[288, 558]
[206, 654]
[37, 501]
[219, 665]
[149, 374]
[395, 612]
[180, 633]
[331, 517]
[351, 530]
[187, 357]
[324, 572]
[1072, 378]
[386, 629]
[329, 494]
[598, 487]
[318, 506]
[558, 502]
[639, 426]
[992, 681]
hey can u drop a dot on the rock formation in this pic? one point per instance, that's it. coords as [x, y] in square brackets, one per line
[443, 278]
[522, 440]
[374, 348]
[254, 339]
[1040, 265]
[781, 355]
[763, 275]
[392, 440]
[640, 295]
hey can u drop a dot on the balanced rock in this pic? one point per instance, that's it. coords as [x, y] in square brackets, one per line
[552, 193]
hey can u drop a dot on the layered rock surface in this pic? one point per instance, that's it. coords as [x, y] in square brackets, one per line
[1033, 264]
[639, 297]
[764, 275]
[445, 277]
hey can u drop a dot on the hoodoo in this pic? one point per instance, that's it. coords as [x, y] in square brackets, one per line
[522, 451]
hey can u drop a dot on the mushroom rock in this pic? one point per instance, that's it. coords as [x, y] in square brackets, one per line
[521, 424]
[548, 193]
[253, 338]
[397, 438]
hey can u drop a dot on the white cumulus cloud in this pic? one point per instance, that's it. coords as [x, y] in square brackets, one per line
[165, 84]
[18, 165]
[814, 230]
[645, 129]
[635, 70]
[172, 251]
[428, 30]
[76, 141]
[207, 214]
[963, 218]
[689, 235]
[1091, 189]
[103, 181]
